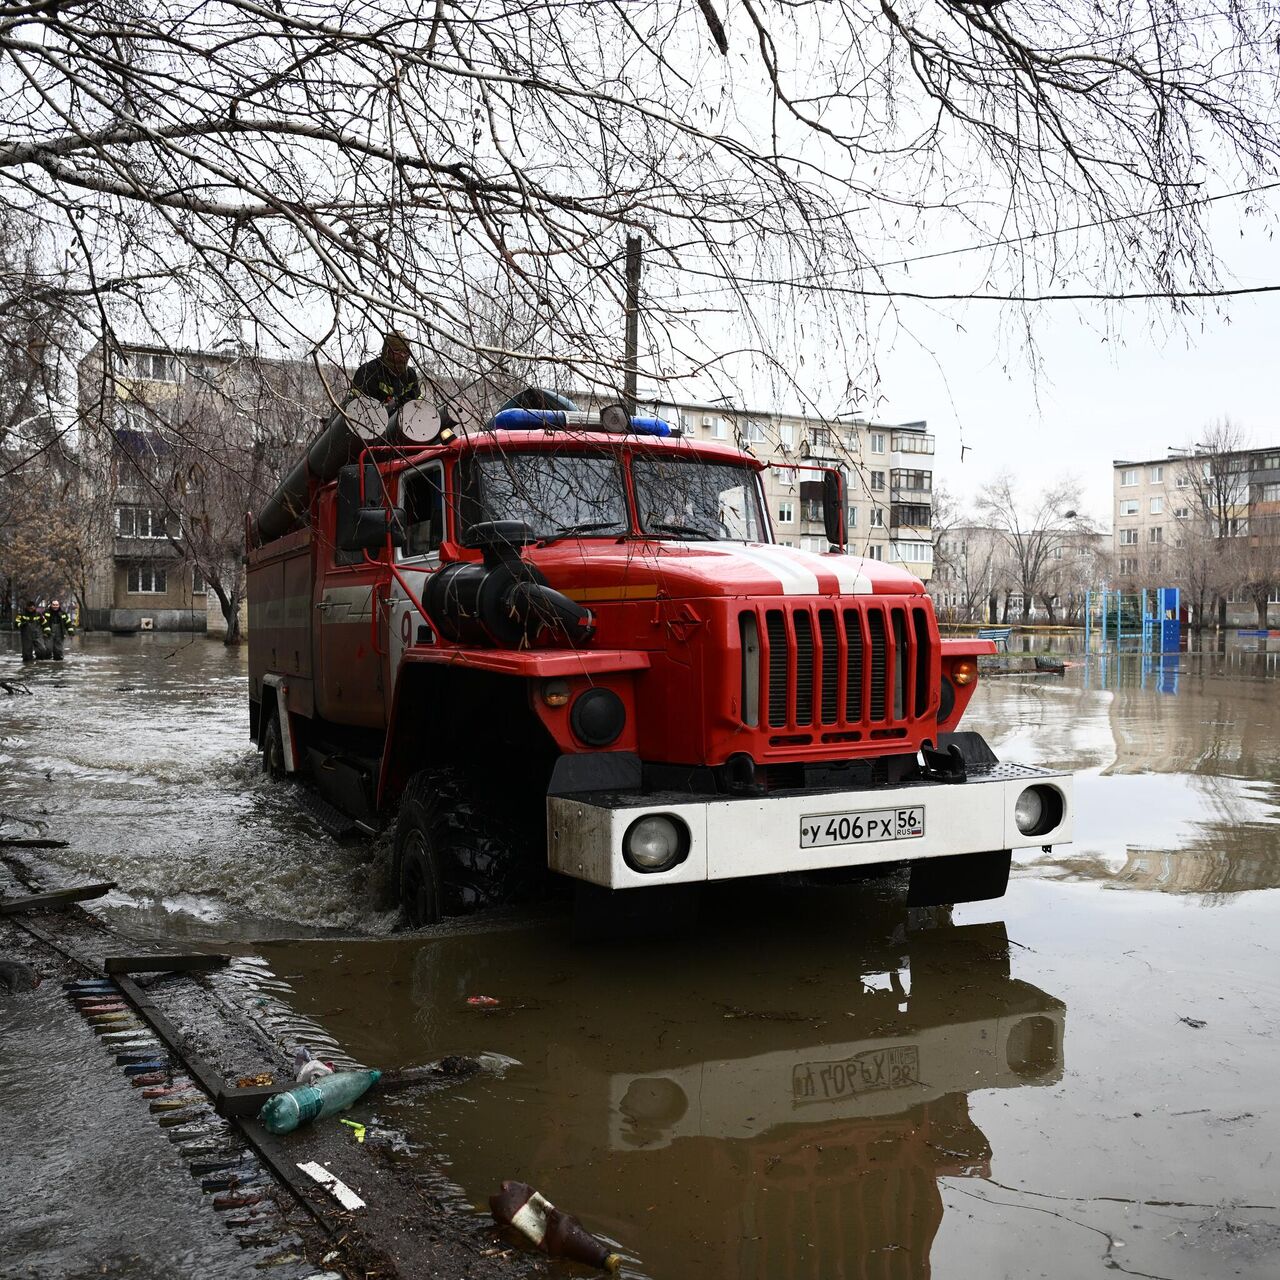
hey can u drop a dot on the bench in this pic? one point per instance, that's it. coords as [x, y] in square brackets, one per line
[999, 634]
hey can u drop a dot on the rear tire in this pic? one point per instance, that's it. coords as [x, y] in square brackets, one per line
[273, 748]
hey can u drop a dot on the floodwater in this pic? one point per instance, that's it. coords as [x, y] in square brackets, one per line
[1079, 1078]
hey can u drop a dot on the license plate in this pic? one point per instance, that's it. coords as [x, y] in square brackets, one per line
[861, 826]
[867, 1072]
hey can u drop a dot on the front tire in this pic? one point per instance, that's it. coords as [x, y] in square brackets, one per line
[451, 853]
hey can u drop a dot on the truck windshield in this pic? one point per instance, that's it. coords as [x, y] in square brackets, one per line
[688, 498]
[556, 494]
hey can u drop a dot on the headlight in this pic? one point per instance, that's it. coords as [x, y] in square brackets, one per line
[1039, 809]
[655, 842]
[964, 672]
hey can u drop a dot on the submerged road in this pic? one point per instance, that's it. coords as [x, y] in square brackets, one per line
[1075, 1080]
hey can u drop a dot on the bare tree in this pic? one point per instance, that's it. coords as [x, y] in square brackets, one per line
[322, 172]
[1032, 531]
[1217, 485]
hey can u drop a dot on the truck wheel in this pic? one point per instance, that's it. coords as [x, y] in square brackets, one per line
[273, 748]
[451, 853]
[964, 877]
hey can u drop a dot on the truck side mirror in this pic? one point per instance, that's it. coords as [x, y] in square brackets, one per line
[362, 524]
[834, 516]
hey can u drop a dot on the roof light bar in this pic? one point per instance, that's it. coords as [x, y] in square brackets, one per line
[558, 419]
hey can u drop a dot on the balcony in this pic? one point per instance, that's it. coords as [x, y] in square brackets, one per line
[144, 549]
[910, 515]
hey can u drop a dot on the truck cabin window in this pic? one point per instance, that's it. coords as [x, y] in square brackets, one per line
[556, 494]
[689, 498]
[422, 497]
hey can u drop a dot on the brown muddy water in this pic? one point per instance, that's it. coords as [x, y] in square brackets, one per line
[1077, 1079]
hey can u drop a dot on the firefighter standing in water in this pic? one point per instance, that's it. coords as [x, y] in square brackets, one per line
[29, 623]
[57, 626]
[388, 377]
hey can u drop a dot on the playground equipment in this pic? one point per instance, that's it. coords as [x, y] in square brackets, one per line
[1146, 621]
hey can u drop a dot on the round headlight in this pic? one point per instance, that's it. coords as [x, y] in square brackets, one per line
[1028, 811]
[1039, 809]
[655, 842]
[598, 717]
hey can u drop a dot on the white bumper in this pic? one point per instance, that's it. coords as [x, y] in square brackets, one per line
[761, 835]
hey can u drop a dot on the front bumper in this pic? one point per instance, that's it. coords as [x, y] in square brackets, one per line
[734, 836]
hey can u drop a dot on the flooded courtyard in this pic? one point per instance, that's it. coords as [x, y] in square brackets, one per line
[1078, 1078]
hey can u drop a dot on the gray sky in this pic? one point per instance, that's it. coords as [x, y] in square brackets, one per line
[1109, 387]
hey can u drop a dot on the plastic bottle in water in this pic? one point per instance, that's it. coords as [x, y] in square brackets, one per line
[308, 1067]
[557, 1234]
[303, 1103]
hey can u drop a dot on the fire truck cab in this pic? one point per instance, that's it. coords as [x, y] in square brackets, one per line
[571, 640]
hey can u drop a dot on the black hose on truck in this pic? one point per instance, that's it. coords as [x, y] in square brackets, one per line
[503, 601]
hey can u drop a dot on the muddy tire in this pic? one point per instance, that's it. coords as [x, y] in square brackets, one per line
[450, 855]
[273, 748]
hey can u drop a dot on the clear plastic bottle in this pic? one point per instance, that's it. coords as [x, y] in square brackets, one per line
[305, 1102]
[308, 1067]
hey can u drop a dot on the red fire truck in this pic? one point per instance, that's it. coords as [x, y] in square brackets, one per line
[571, 640]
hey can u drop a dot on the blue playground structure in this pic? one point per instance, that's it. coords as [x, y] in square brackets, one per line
[1146, 621]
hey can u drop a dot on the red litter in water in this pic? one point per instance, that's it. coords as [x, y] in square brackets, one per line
[483, 1002]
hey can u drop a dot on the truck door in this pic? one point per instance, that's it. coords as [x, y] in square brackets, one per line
[422, 500]
[349, 652]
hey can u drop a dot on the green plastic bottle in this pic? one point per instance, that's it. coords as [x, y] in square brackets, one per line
[329, 1094]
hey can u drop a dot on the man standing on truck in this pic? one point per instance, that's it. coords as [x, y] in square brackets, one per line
[388, 378]
[57, 626]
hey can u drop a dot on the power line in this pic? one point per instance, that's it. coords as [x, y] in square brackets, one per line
[1079, 226]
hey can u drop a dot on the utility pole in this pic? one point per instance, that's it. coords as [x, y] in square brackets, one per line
[633, 323]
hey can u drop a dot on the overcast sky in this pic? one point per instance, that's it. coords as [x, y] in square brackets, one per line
[1098, 398]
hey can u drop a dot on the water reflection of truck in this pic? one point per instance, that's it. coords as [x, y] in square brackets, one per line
[747, 1122]
[585, 624]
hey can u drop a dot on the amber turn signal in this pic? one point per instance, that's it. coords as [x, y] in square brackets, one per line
[555, 693]
[965, 671]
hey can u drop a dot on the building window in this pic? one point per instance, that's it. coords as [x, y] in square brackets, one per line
[786, 513]
[1270, 493]
[1155, 475]
[877, 517]
[853, 517]
[1129, 476]
[1181, 513]
[876, 552]
[877, 442]
[820, 439]
[1183, 481]
[752, 432]
[1155, 535]
[1128, 564]
[912, 442]
[877, 480]
[1128, 537]
[1157, 506]
[140, 522]
[787, 476]
[1129, 507]
[146, 580]
[787, 436]
[198, 587]
[1273, 596]
[149, 364]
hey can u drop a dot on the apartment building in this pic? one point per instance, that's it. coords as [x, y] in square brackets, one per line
[888, 472]
[176, 445]
[1194, 516]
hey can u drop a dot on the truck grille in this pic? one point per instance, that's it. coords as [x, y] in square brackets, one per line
[830, 674]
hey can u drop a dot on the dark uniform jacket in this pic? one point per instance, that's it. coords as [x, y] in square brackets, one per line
[377, 379]
[57, 622]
